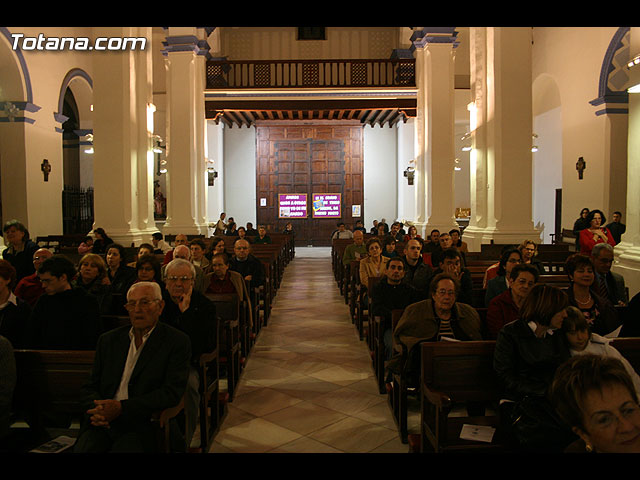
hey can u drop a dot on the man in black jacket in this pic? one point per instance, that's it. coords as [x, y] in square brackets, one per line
[246, 264]
[138, 370]
[417, 273]
[64, 318]
[188, 310]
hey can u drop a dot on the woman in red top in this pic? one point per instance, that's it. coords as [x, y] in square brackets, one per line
[595, 233]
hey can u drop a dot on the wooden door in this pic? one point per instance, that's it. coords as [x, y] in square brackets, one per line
[298, 158]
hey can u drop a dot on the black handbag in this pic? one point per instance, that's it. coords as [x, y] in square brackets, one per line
[537, 427]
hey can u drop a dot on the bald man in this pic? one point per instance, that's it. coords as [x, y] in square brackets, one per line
[184, 252]
[181, 239]
[29, 288]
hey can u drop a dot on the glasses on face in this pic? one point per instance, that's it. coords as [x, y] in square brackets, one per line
[174, 278]
[605, 420]
[442, 292]
[142, 303]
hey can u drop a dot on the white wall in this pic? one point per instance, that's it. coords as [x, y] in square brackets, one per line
[405, 153]
[239, 174]
[547, 170]
[215, 152]
[380, 174]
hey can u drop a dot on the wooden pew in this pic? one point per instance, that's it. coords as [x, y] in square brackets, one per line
[212, 403]
[50, 382]
[397, 389]
[228, 308]
[455, 373]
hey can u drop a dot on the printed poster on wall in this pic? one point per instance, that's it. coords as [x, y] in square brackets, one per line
[292, 205]
[327, 205]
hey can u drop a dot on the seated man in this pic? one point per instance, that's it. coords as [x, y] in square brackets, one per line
[198, 248]
[450, 262]
[160, 246]
[396, 233]
[440, 317]
[184, 252]
[417, 273]
[609, 284]
[181, 239]
[29, 288]
[434, 242]
[65, 318]
[246, 264]
[138, 370]
[390, 294]
[188, 310]
[342, 232]
[222, 280]
[356, 250]
[251, 232]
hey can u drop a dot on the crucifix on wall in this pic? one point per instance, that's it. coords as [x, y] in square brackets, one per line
[46, 169]
[580, 166]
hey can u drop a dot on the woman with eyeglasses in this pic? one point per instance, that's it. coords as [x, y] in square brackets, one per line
[509, 259]
[529, 250]
[595, 397]
[595, 232]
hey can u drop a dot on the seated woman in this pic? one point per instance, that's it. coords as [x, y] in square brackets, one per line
[580, 224]
[389, 247]
[374, 264]
[529, 250]
[595, 233]
[120, 274]
[242, 233]
[102, 241]
[596, 398]
[14, 312]
[412, 232]
[143, 249]
[217, 246]
[262, 238]
[583, 342]
[288, 229]
[86, 246]
[509, 259]
[20, 248]
[527, 353]
[456, 237]
[598, 311]
[231, 230]
[198, 248]
[148, 269]
[505, 308]
[92, 277]
[222, 280]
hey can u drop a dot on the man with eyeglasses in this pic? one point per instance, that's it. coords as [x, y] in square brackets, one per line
[190, 311]
[138, 370]
[184, 252]
[438, 318]
[609, 284]
[64, 318]
[30, 288]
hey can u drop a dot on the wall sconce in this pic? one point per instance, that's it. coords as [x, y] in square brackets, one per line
[410, 174]
[534, 148]
[467, 146]
[212, 174]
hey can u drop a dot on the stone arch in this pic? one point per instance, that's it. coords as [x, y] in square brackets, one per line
[15, 82]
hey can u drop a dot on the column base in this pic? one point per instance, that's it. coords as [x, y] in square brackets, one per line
[627, 264]
[476, 236]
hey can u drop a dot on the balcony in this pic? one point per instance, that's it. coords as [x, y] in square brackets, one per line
[275, 74]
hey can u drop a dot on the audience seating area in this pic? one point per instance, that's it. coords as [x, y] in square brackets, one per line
[46, 398]
[453, 373]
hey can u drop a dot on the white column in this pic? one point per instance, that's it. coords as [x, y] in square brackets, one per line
[186, 180]
[435, 151]
[627, 252]
[501, 162]
[123, 163]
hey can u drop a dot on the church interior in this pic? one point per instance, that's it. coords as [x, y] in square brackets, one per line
[504, 134]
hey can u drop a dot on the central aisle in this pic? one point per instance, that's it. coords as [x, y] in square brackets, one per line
[308, 386]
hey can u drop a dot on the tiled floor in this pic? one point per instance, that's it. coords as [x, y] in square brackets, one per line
[308, 386]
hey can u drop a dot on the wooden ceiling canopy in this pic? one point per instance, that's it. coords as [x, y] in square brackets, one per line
[381, 112]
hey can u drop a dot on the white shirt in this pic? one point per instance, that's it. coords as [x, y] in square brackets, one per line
[130, 364]
[12, 299]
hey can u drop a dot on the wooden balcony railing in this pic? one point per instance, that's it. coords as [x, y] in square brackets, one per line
[310, 73]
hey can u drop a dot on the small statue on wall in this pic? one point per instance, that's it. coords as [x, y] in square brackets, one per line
[45, 166]
[580, 166]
